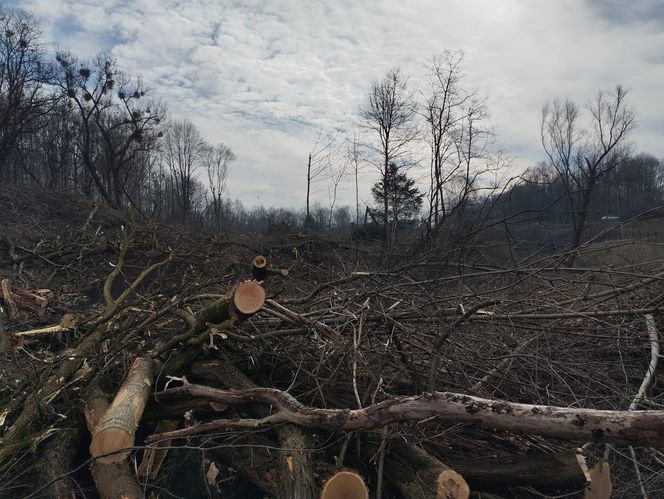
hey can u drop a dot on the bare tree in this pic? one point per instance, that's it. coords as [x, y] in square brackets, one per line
[336, 174]
[455, 136]
[182, 152]
[389, 114]
[23, 98]
[217, 161]
[582, 155]
[116, 123]
[318, 164]
[353, 154]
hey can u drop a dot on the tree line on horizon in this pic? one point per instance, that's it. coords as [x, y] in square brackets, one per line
[87, 127]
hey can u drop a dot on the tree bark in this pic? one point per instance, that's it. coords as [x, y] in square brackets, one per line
[418, 474]
[295, 463]
[296, 478]
[543, 472]
[644, 428]
[114, 480]
[116, 428]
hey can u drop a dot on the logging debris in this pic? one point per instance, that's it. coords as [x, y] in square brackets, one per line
[122, 344]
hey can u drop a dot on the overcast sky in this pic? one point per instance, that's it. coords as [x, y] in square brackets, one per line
[267, 76]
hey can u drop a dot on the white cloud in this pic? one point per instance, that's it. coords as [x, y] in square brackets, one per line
[265, 76]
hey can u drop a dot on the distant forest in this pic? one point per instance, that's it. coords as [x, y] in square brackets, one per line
[87, 127]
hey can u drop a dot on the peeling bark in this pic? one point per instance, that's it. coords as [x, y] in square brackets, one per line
[644, 428]
[115, 429]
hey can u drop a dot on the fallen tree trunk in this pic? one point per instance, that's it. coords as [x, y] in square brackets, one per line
[113, 480]
[57, 460]
[543, 472]
[115, 429]
[645, 428]
[417, 474]
[296, 476]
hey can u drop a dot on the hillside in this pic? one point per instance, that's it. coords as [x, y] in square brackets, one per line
[396, 368]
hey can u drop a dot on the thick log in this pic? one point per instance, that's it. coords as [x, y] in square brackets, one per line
[542, 472]
[116, 428]
[244, 300]
[57, 460]
[345, 484]
[417, 474]
[113, 480]
[296, 477]
[644, 428]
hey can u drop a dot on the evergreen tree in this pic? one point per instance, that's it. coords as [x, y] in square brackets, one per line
[404, 200]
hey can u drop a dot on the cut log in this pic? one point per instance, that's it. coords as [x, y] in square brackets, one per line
[245, 299]
[114, 480]
[345, 484]
[542, 472]
[416, 473]
[116, 428]
[18, 299]
[248, 297]
[260, 271]
[296, 476]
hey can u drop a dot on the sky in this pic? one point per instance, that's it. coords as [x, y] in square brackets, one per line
[268, 77]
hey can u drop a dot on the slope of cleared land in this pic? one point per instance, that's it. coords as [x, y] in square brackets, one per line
[334, 368]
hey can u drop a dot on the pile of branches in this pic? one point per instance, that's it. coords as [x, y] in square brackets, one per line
[141, 360]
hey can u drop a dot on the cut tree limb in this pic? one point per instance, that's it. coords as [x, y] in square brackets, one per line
[244, 300]
[645, 428]
[113, 480]
[240, 303]
[416, 473]
[260, 271]
[116, 428]
[301, 319]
